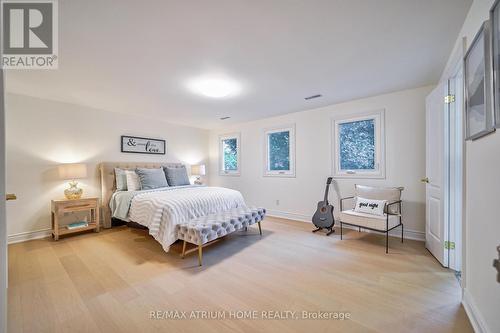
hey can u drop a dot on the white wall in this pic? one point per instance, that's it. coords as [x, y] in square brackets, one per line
[405, 158]
[42, 134]
[482, 225]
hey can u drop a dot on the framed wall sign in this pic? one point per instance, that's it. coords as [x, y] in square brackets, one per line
[495, 33]
[479, 114]
[138, 145]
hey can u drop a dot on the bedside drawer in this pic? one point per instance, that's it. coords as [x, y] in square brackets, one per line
[75, 206]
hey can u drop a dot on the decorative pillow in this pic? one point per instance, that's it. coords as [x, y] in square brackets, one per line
[151, 178]
[391, 194]
[177, 176]
[370, 206]
[133, 181]
[121, 179]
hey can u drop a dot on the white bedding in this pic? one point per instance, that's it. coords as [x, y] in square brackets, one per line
[161, 211]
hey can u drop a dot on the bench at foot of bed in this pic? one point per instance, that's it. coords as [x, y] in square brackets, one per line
[209, 228]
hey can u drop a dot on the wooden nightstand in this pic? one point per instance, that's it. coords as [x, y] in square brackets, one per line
[59, 207]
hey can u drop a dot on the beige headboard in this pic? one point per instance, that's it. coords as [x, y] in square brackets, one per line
[108, 184]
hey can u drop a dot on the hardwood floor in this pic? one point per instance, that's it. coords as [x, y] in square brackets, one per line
[113, 280]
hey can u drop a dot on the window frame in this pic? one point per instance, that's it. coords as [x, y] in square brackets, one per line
[222, 138]
[379, 122]
[279, 173]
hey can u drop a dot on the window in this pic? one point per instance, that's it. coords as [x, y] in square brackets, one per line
[280, 152]
[229, 152]
[359, 146]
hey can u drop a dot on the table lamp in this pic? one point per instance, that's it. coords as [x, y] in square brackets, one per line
[72, 172]
[198, 171]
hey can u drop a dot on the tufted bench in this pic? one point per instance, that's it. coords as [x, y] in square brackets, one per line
[209, 228]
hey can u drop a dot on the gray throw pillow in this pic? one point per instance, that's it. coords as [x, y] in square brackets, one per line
[177, 176]
[121, 179]
[151, 178]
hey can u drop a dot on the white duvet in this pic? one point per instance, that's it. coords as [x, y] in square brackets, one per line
[161, 211]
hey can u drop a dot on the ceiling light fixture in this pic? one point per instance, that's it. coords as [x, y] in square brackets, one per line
[313, 96]
[215, 87]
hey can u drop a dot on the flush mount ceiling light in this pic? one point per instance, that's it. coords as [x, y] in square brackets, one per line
[214, 87]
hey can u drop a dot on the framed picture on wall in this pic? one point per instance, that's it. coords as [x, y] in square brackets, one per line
[479, 110]
[138, 145]
[495, 33]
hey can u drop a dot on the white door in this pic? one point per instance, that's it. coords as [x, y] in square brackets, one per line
[454, 145]
[3, 223]
[435, 220]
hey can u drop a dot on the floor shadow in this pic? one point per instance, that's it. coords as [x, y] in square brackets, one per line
[147, 250]
[377, 242]
[217, 252]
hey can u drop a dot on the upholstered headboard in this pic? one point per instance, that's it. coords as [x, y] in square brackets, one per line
[108, 183]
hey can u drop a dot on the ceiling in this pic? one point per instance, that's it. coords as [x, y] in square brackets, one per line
[138, 56]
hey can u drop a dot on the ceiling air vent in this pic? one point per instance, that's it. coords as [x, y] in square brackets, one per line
[312, 97]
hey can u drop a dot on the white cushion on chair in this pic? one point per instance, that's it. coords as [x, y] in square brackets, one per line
[368, 220]
[391, 194]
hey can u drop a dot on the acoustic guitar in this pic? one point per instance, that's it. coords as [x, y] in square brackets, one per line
[323, 218]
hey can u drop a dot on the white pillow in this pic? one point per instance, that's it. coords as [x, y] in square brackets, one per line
[370, 206]
[121, 179]
[133, 181]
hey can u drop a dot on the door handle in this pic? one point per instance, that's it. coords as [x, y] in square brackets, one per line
[425, 180]
[10, 196]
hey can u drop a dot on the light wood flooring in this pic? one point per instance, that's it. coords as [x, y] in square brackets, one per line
[112, 280]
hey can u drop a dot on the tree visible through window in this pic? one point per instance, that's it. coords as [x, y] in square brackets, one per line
[229, 154]
[279, 150]
[357, 145]
[230, 151]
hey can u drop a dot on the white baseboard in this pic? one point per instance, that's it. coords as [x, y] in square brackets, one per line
[407, 234]
[29, 235]
[289, 216]
[475, 317]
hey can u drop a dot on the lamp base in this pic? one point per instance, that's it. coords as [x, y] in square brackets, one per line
[198, 181]
[73, 192]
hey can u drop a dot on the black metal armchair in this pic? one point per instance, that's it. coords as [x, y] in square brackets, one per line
[391, 219]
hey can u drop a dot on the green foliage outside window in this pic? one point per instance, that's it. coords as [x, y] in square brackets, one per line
[230, 149]
[279, 151]
[357, 145]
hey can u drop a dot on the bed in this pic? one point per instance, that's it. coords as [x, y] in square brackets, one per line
[161, 210]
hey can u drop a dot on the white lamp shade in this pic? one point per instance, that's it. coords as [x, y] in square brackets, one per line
[198, 170]
[72, 171]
